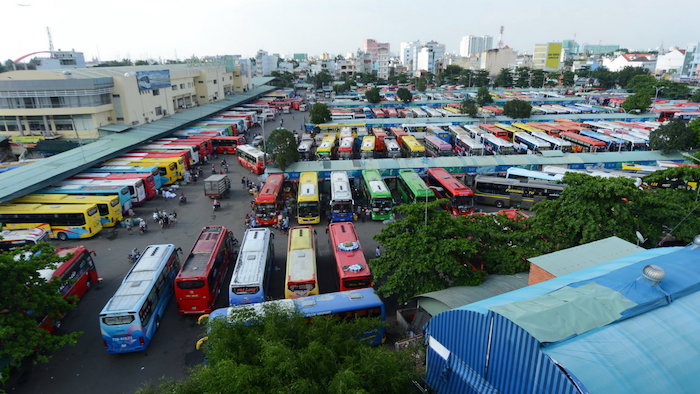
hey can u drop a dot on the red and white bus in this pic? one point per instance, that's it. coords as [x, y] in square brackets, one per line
[268, 201]
[497, 131]
[183, 154]
[353, 271]
[445, 185]
[345, 149]
[78, 274]
[582, 143]
[148, 180]
[200, 278]
[251, 158]
[227, 145]
[201, 143]
[378, 112]
[379, 133]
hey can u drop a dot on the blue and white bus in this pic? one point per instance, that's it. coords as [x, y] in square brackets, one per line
[251, 275]
[99, 190]
[153, 170]
[341, 197]
[131, 317]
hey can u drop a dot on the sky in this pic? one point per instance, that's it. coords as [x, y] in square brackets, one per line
[179, 29]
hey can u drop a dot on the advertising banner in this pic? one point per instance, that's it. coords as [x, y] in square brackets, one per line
[553, 55]
[156, 79]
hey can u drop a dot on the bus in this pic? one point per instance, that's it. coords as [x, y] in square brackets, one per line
[376, 194]
[411, 147]
[67, 221]
[380, 134]
[199, 281]
[612, 144]
[546, 127]
[456, 130]
[10, 239]
[555, 142]
[174, 166]
[497, 131]
[503, 192]
[167, 172]
[268, 201]
[121, 192]
[300, 278]
[201, 144]
[512, 131]
[179, 153]
[346, 147]
[532, 143]
[305, 148]
[251, 158]
[529, 175]
[438, 132]
[354, 304]
[497, 146]
[412, 189]
[393, 151]
[326, 149]
[436, 146]
[582, 143]
[467, 146]
[351, 266]
[473, 131]
[367, 147]
[147, 179]
[108, 206]
[77, 273]
[308, 202]
[251, 274]
[342, 204]
[445, 185]
[136, 187]
[227, 145]
[131, 317]
[192, 148]
[158, 180]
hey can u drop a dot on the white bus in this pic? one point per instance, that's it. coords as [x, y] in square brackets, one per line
[251, 275]
[342, 204]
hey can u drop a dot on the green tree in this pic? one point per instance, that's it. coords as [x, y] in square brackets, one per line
[627, 73]
[319, 113]
[465, 78]
[568, 78]
[673, 90]
[642, 83]
[481, 78]
[452, 73]
[420, 257]
[483, 96]
[403, 78]
[695, 97]
[538, 78]
[282, 148]
[404, 95]
[22, 289]
[321, 79]
[421, 84]
[372, 96]
[638, 102]
[282, 353]
[517, 109]
[283, 79]
[522, 77]
[694, 125]
[468, 106]
[672, 136]
[504, 78]
[141, 63]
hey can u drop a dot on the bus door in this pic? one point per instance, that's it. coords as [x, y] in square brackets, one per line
[516, 199]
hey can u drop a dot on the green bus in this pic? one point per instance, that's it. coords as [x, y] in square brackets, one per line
[412, 188]
[376, 194]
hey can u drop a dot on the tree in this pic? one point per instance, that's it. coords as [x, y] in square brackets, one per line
[695, 97]
[282, 148]
[372, 96]
[283, 79]
[673, 90]
[538, 78]
[694, 125]
[321, 78]
[465, 78]
[627, 73]
[404, 95]
[504, 78]
[421, 84]
[568, 78]
[282, 353]
[642, 83]
[22, 289]
[522, 77]
[425, 250]
[468, 107]
[481, 78]
[673, 136]
[638, 102]
[319, 113]
[483, 96]
[517, 109]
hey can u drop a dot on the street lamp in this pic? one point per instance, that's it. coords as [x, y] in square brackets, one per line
[658, 89]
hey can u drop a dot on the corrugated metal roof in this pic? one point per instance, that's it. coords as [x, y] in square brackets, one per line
[574, 259]
[257, 81]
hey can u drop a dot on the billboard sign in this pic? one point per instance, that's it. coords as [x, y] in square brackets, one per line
[155, 79]
[553, 55]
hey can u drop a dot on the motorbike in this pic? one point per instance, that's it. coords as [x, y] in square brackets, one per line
[134, 256]
[183, 199]
[216, 205]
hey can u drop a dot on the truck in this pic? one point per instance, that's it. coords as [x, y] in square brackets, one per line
[217, 186]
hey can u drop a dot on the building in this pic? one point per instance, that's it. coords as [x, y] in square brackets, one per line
[60, 60]
[430, 57]
[590, 49]
[383, 66]
[628, 325]
[569, 48]
[373, 47]
[408, 54]
[300, 57]
[496, 59]
[670, 62]
[474, 45]
[76, 103]
[547, 56]
[265, 64]
[644, 60]
[691, 63]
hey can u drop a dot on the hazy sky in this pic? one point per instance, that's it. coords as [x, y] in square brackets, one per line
[157, 28]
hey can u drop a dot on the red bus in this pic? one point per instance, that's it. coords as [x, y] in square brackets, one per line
[574, 123]
[582, 143]
[78, 273]
[227, 145]
[551, 130]
[268, 201]
[379, 134]
[378, 112]
[497, 131]
[399, 133]
[445, 185]
[352, 268]
[251, 158]
[183, 154]
[149, 182]
[200, 278]
[201, 144]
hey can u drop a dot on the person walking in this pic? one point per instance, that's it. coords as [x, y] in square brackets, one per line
[129, 225]
[244, 182]
[377, 252]
[363, 214]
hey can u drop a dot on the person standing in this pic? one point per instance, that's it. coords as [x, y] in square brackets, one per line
[377, 252]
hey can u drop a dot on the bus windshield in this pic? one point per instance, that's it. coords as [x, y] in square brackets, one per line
[265, 209]
[308, 208]
[382, 203]
[463, 203]
[342, 206]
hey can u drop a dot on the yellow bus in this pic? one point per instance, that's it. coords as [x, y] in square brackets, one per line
[368, 147]
[525, 127]
[168, 168]
[326, 148]
[411, 147]
[109, 207]
[510, 129]
[67, 221]
[333, 127]
[451, 109]
[309, 207]
[300, 278]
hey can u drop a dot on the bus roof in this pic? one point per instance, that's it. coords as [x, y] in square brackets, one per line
[308, 186]
[347, 249]
[375, 183]
[340, 186]
[415, 183]
[250, 265]
[45, 198]
[413, 144]
[196, 264]
[44, 208]
[368, 143]
[449, 182]
[271, 189]
[337, 302]
[301, 256]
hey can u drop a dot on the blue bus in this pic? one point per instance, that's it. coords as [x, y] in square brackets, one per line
[343, 305]
[342, 205]
[614, 144]
[251, 275]
[100, 190]
[153, 170]
[131, 317]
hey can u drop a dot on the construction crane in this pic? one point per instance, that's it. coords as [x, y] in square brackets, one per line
[500, 37]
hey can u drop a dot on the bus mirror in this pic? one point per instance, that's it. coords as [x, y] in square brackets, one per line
[178, 250]
[93, 253]
[200, 342]
[202, 318]
[100, 280]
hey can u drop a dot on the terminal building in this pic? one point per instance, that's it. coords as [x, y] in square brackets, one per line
[76, 103]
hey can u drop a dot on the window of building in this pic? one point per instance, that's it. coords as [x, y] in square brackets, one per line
[174, 87]
[29, 102]
[215, 82]
[182, 86]
[159, 111]
[200, 81]
[156, 92]
[119, 118]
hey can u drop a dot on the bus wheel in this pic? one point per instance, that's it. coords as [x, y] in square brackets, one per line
[499, 204]
[62, 236]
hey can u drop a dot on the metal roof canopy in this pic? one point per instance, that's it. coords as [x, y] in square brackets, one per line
[32, 177]
[580, 257]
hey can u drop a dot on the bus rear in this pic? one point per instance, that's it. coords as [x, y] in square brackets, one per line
[300, 278]
[351, 266]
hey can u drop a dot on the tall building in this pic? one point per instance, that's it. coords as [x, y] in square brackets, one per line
[671, 62]
[474, 45]
[372, 47]
[546, 56]
[383, 63]
[599, 49]
[265, 64]
[430, 57]
[408, 54]
[496, 59]
[691, 63]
